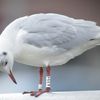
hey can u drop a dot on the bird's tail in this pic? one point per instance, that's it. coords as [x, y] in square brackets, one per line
[97, 36]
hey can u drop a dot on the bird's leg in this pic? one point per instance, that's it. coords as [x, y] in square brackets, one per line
[48, 79]
[39, 92]
[32, 93]
[40, 82]
[48, 72]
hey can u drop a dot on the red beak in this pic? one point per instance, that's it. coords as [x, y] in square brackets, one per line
[12, 77]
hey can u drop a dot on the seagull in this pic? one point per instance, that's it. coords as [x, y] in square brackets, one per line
[45, 40]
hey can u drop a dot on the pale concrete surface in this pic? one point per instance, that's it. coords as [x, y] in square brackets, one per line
[79, 95]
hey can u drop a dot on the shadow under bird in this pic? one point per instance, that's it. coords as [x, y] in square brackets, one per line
[45, 40]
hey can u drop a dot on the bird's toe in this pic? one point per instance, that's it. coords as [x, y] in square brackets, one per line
[39, 93]
[32, 93]
[42, 91]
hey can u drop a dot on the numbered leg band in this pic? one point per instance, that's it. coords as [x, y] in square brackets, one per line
[48, 78]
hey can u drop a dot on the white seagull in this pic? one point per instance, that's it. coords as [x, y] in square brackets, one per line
[45, 40]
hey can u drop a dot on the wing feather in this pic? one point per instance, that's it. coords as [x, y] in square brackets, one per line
[47, 30]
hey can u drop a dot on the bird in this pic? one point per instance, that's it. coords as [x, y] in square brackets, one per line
[45, 40]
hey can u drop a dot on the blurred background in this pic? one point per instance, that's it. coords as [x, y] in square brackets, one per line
[81, 73]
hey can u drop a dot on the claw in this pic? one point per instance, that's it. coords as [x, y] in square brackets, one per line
[25, 92]
[32, 93]
[41, 92]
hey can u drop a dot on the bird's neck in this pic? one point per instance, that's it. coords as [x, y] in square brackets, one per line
[9, 34]
[13, 28]
[6, 45]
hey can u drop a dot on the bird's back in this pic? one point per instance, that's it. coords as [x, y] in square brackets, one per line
[58, 30]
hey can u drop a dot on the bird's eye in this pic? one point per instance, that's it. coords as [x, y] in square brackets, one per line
[6, 62]
[4, 53]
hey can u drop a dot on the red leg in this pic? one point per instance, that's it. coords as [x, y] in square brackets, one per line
[48, 70]
[40, 82]
[32, 93]
[41, 78]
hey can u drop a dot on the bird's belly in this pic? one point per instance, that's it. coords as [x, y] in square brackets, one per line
[39, 56]
[42, 56]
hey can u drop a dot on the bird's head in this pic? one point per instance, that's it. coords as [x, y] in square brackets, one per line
[6, 64]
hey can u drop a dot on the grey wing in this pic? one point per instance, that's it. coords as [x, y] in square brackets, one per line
[56, 30]
[49, 39]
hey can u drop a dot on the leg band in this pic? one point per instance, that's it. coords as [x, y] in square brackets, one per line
[48, 78]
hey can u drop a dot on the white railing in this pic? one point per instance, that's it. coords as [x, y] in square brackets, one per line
[80, 95]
